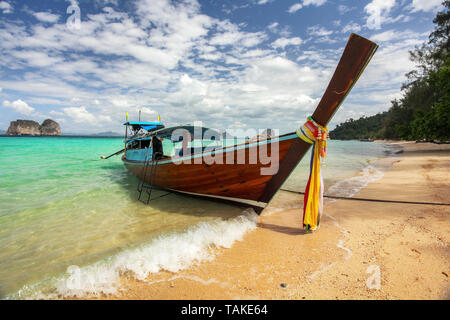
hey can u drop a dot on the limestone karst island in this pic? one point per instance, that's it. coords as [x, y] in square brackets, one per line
[32, 128]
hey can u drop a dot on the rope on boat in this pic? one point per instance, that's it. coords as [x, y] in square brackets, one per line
[376, 200]
[314, 133]
[114, 154]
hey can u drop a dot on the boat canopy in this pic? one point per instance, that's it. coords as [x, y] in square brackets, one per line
[194, 131]
[149, 126]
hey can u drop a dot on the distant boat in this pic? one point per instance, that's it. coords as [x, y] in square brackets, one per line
[366, 140]
[147, 153]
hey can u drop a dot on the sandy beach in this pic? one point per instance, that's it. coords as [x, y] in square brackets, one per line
[363, 250]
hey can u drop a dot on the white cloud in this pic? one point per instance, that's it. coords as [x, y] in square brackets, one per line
[5, 7]
[229, 34]
[56, 113]
[46, 17]
[141, 68]
[283, 42]
[82, 115]
[148, 112]
[273, 26]
[186, 66]
[263, 1]
[316, 3]
[19, 106]
[36, 59]
[319, 31]
[395, 35]
[282, 31]
[391, 61]
[323, 59]
[351, 27]
[426, 5]
[343, 9]
[107, 2]
[305, 3]
[378, 11]
[295, 7]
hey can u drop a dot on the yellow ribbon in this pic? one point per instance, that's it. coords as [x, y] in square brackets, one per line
[314, 196]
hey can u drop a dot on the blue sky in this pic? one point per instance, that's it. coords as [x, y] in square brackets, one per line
[231, 64]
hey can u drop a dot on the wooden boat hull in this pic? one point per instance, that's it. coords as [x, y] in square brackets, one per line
[239, 183]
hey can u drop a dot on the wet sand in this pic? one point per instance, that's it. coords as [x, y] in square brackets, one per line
[405, 246]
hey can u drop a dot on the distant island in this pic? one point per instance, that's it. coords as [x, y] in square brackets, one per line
[107, 134]
[32, 128]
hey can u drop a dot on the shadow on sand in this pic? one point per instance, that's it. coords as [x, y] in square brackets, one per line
[283, 229]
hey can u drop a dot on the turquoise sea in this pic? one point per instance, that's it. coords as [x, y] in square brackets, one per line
[71, 224]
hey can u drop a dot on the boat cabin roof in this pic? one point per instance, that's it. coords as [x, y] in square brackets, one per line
[194, 131]
[166, 133]
[149, 126]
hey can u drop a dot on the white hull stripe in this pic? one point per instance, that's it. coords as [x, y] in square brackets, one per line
[245, 201]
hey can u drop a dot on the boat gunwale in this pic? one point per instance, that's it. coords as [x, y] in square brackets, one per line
[220, 150]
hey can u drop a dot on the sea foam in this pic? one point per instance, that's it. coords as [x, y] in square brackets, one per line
[171, 252]
[351, 186]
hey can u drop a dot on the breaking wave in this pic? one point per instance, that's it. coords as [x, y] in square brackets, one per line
[172, 252]
[351, 186]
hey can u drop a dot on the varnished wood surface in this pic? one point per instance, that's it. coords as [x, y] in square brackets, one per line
[355, 58]
[242, 181]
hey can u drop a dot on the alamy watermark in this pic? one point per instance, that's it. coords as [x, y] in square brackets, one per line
[73, 22]
[88, 281]
[374, 281]
[262, 149]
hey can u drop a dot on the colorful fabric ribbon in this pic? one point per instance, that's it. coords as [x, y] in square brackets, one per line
[317, 135]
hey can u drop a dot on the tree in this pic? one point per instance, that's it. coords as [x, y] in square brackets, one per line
[423, 112]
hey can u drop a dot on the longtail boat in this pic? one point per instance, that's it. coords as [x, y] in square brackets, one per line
[149, 157]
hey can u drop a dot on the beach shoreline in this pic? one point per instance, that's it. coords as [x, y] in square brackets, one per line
[363, 250]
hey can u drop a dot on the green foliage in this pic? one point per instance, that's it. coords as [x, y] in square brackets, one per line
[424, 110]
[435, 123]
[363, 128]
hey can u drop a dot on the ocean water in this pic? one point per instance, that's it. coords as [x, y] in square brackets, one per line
[71, 224]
